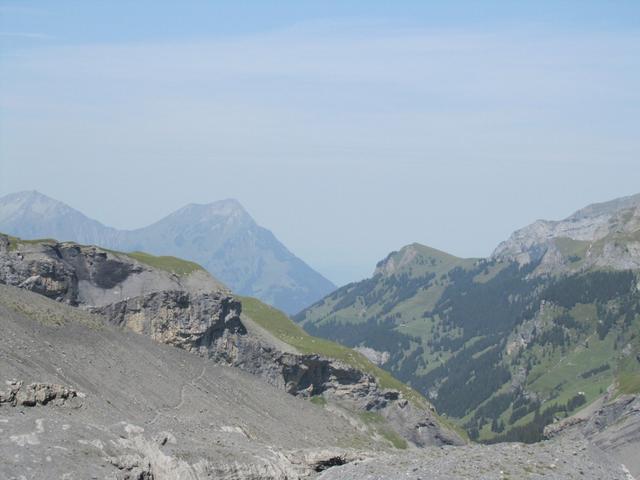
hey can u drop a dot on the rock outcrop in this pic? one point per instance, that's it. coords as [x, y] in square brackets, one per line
[192, 321]
[89, 276]
[604, 235]
[312, 375]
[36, 394]
[210, 326]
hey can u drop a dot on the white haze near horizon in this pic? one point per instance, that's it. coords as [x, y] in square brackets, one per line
[347, 140]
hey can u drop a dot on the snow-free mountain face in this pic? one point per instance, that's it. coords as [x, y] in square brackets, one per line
[221, 236]
[224, 239]
[507, 344]
[31, 215]
[599, 235]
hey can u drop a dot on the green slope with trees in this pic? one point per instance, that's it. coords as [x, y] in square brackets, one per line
[499, 349]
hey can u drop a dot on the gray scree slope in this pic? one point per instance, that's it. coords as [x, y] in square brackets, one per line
[145, 410]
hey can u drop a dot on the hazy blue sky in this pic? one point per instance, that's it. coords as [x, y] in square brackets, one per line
[349, 128]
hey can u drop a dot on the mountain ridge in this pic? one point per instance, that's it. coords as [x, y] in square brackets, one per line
[221, 236]
[591, 224]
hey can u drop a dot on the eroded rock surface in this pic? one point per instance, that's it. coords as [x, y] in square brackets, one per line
[90, 276]
[193, 321]
[607, 231]
[34, 394]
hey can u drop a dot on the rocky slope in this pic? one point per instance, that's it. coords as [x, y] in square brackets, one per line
[221, 236]
[179, 304]
[612, 424]
[508, 344]
[85, 399]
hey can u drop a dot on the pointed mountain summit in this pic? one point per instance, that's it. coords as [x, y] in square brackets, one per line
[226, 240]
[32, 215]
[415, 259]
[221, 236]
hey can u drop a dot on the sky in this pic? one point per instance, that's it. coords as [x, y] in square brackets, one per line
[348, 128]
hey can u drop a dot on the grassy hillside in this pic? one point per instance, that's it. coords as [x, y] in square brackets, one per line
[167, 263]
[15, 241]
[501, 351]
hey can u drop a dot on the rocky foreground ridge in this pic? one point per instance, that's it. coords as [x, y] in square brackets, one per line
[187, 308]
[561, 459]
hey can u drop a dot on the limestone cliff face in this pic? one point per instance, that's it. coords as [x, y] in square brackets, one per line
[600, 235]
[192, 321]
[194, 312]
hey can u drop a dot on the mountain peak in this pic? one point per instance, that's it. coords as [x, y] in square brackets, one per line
[225, 203]
[228, 210]
[227, 206]
[27, 196]
[29, 202]
[414, 256]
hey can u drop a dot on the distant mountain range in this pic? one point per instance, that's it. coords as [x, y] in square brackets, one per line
[507, 344]
[220, 236]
